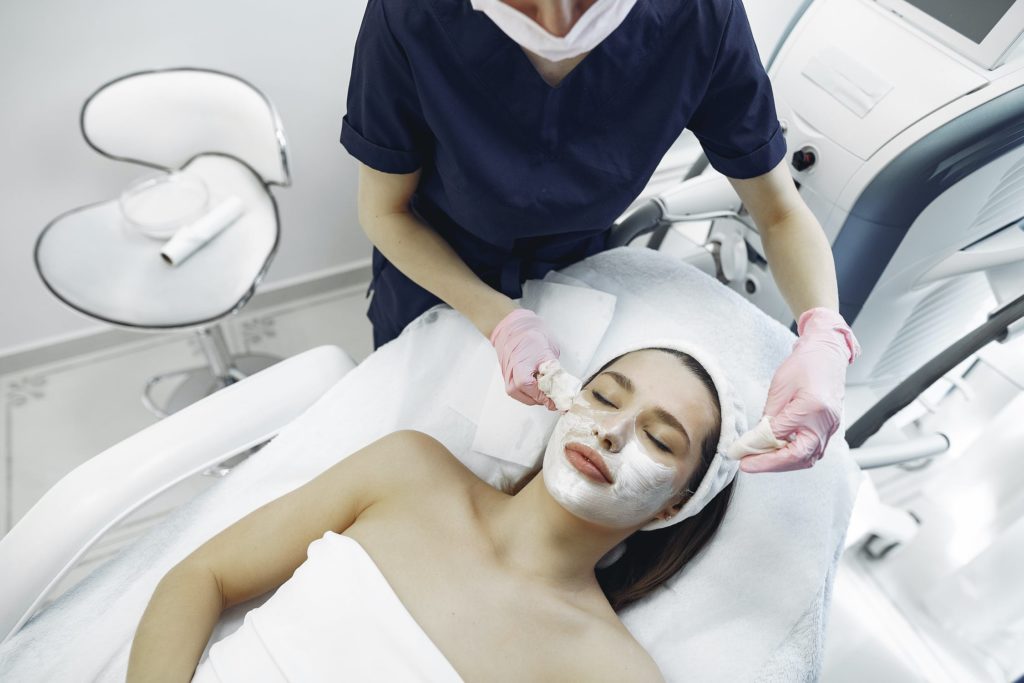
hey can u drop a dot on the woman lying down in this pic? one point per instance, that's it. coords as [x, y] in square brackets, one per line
[418, 570]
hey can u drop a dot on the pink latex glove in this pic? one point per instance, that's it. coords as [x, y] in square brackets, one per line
[523, 343]
[805, 399]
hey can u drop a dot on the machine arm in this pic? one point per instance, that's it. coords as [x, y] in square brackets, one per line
[995, 328]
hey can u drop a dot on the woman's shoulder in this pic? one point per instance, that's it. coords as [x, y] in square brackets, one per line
[414, 446]
[417, 475]
[415, 458]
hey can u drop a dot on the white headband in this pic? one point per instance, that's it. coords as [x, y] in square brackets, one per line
[734, 423]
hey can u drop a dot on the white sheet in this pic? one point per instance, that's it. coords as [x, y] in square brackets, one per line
[751, 607]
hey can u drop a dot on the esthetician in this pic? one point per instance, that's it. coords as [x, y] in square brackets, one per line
[499, 140]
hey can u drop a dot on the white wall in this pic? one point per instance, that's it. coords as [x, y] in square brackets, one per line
[53, 54]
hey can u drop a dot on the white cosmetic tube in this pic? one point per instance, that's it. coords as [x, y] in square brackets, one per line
[191, 237]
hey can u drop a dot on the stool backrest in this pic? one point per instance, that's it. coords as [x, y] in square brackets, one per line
[164, 118]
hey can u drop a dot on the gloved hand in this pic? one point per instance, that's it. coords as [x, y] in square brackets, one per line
[523, 343]
[805, 399]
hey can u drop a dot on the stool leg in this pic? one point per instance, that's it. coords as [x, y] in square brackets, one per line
[216, 351]
[221, 370]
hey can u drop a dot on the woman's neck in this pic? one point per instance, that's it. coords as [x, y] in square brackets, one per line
[536, 537]
[557, 17]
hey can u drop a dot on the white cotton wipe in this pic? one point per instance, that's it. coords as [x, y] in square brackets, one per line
[558, 384]
[760, 439]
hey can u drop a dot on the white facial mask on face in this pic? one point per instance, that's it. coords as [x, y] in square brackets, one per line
[596, 24]
[640, 486]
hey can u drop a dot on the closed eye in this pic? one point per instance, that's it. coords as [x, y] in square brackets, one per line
[657, 443]
[602, 399]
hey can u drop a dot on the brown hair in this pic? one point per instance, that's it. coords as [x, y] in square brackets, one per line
[653, 557]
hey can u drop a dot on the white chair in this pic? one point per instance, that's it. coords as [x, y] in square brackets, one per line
[106, 489]
[207, 125]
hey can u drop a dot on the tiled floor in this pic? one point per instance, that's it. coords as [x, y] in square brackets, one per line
[58, 416]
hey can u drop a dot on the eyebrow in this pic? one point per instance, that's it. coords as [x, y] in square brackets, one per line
[659, 412]
[623, 381]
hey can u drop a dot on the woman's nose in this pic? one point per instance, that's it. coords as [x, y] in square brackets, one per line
[612, 432]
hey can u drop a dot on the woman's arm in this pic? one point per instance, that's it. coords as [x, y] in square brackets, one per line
[794, 242]
[176, 625]
[420, 253]
[260, 552]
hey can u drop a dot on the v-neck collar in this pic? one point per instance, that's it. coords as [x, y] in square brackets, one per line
[543, 63]
[503, 71]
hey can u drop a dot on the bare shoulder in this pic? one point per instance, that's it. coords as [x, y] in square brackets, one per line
[410, 458]
[615, 655]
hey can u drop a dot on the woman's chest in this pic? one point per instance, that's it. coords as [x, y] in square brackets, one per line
[490, 627]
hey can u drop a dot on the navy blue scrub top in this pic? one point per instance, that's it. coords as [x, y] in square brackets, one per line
[521, 177]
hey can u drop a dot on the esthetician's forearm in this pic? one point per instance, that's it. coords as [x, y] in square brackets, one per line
[175, 627]
[801, 261]
[429, 261]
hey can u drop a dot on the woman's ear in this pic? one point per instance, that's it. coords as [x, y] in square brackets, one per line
[672, 508]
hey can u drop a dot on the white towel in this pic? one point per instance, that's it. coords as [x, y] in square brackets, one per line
[753, 605]
[336, 619]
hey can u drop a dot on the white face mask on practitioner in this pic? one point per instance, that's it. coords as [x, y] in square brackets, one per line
[596, 24]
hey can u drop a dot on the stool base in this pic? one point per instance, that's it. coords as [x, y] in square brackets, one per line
[198, 383]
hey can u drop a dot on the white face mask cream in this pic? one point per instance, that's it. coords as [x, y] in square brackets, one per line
[639, 488]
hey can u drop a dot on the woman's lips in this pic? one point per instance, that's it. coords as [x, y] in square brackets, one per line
[588, 461]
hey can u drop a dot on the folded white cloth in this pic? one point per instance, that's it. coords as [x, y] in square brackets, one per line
[335, 619]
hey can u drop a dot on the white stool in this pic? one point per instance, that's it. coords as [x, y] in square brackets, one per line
[206, 124]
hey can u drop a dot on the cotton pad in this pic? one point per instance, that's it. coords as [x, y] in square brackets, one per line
[760, 439]
[558, 384]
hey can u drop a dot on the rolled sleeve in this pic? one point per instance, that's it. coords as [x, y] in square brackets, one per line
[375, 156]
[384, 126]
[736, 122]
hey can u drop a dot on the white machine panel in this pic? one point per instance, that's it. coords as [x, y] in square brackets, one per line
[861, 96]
[981, 30]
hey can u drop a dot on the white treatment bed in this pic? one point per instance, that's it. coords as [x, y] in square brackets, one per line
[751, 607]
